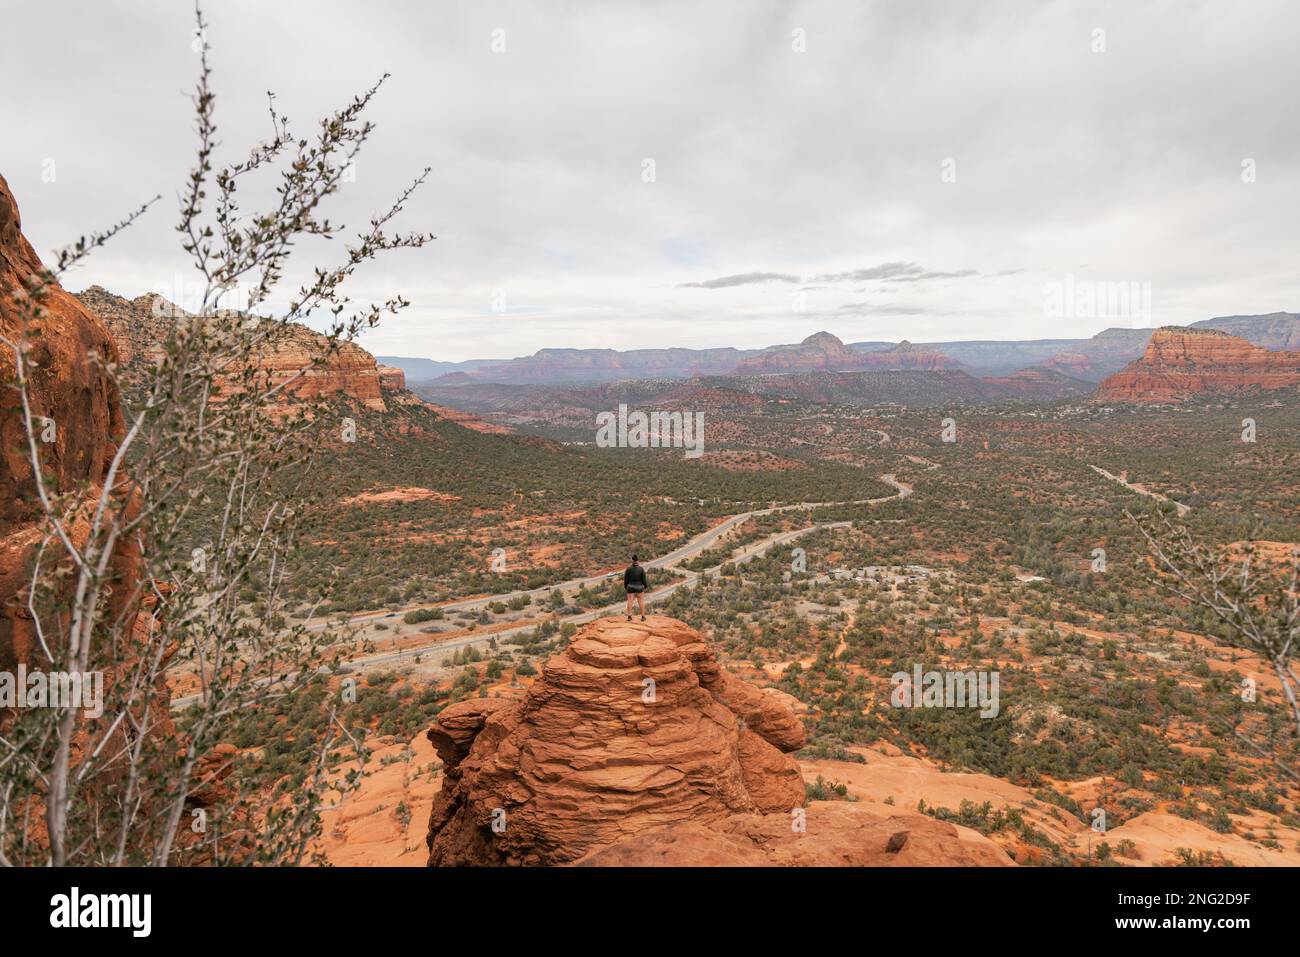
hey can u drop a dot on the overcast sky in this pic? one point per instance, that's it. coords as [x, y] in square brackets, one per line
[880, 170]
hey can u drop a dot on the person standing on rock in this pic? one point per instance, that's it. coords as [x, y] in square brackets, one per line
[634, 583]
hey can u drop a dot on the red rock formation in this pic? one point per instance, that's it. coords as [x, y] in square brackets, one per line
[140, 326]
[834, 834]
[70, 389]
[592, 755]
[905, 355]
[350, 370]
[391, 377]
[820, 351]
[825, 352]
[1073, 364]
[1181, 363]
[634, 746]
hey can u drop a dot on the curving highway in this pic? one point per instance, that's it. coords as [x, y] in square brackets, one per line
[671, 561]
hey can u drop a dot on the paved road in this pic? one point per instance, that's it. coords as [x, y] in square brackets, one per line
[1181, 508]
[750, 551]
[692, 548]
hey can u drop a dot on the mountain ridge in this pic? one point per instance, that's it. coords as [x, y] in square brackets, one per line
[1091, 359]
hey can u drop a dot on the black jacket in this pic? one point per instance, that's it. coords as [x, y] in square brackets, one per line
[634, 578]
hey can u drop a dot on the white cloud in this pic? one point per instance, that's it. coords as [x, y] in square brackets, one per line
[817, 165]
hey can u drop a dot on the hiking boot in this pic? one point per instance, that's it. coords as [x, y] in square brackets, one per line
[629, 617]
[643, 617]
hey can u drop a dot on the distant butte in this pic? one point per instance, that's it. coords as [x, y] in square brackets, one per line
[1182, 363]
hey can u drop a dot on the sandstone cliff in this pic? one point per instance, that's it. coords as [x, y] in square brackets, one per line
[636, 747]
[1182, 363]
[71, 390]
[825, 352]
[140, 327]
[350, 371]
[391, 377]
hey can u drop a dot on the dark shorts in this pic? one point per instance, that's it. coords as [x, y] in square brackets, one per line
[634, 589]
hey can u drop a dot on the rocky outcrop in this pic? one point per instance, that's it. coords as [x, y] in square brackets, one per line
[631, 727]
[820, 351]
[905, 355]
[303, 354]
[140, 327]
[1183, 363]
[635, 747]
[71, 390]
[832, 834]
[825, 352]
[391, 377]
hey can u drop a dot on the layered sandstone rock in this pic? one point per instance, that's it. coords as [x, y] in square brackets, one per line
[633, 726]
[140, 326]
[391, 377]
[636, 747]
[67, 388]
[1182, 363]
[302, 354]
[69, 348]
